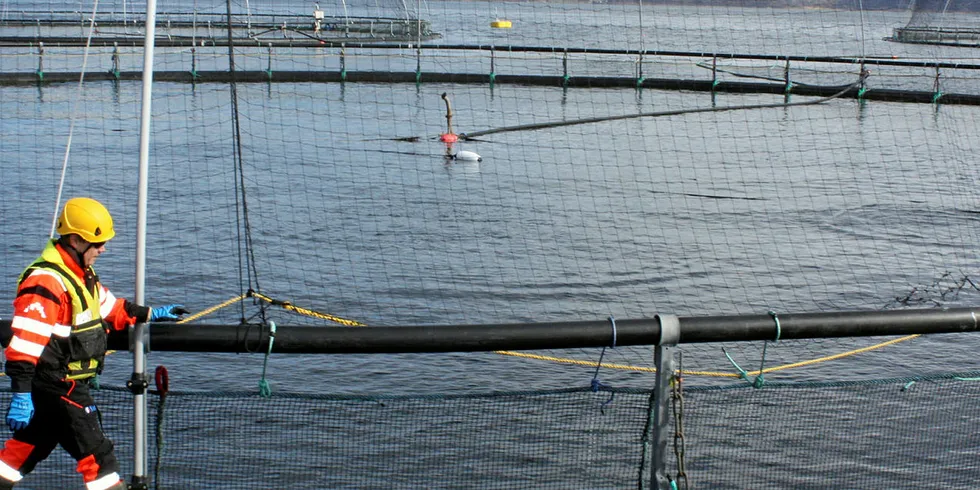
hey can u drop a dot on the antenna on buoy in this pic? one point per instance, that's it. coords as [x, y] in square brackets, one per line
[449, 114]
[449, 137]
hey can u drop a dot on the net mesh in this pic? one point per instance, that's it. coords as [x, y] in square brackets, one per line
[886, 432]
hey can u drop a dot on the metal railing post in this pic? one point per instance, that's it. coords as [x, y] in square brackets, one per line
[663, 360]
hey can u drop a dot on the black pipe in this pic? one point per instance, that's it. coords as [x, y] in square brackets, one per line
[890, 95]
[530, 336]
[406, 339]
[828, 325]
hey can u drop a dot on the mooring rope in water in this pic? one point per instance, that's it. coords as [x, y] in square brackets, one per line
[591, 120]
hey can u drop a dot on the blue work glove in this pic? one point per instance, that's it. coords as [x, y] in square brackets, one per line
[20, 412]
[169, 313]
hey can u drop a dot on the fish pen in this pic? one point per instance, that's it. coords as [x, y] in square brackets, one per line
[274, 48]
[940, 23]
[513, 245]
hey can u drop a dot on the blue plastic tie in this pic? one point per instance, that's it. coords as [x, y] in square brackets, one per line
[779, 329]
[596, 384]
[612, 321]
[760, 380]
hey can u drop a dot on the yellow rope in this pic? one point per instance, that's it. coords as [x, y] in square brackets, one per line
[304, 311]
[565, 360]
[212, 309]
[718, 374]
[836, 356]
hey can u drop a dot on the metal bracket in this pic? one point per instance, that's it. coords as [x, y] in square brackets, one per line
[670, 329]
[138, 483]
[137, 383]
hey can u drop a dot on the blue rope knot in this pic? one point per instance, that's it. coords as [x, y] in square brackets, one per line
[596, 384]
[599, 385]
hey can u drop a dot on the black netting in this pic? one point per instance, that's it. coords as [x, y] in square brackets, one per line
[873, 434]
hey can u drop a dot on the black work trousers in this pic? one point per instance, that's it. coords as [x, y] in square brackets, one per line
[65, 413]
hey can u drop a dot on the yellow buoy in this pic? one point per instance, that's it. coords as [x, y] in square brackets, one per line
[501, 24]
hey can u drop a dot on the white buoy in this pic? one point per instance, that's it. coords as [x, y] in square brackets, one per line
[468, 156]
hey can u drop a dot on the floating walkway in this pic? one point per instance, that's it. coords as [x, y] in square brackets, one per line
[891, 95]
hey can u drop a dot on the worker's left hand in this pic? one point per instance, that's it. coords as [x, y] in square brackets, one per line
[169, 313]
[20, 412]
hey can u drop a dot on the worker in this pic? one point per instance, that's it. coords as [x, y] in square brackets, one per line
[62, 318]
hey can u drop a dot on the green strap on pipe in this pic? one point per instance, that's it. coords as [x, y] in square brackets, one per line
[760, 379]
[265, 391]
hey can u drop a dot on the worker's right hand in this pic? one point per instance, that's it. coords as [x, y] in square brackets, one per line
[20, 412]
[169, 313]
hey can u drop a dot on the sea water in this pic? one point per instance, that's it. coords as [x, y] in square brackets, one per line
[841, 206]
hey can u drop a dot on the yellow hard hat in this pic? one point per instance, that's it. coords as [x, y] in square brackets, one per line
[86, 218]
